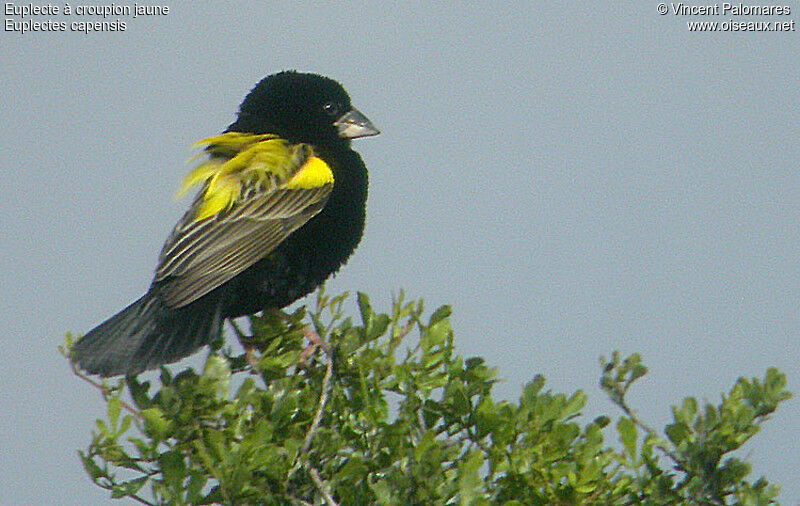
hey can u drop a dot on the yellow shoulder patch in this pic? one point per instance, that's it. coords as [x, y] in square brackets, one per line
[237, 161]
[313, 174]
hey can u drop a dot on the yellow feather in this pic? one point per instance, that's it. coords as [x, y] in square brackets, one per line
[314, 174]
[220, 195]
[231, 142]
[238, 159]
[199, 175]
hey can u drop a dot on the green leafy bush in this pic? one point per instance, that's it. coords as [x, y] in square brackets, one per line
[385, 412]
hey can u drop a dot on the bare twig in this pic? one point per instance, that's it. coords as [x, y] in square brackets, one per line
[649, 430]
[404, 330]
[103, 390]
[323, 400]
[301, 502]
[321, 487]
[110, 487]
[141, 501]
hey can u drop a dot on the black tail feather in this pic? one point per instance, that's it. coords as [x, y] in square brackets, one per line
[147, 334]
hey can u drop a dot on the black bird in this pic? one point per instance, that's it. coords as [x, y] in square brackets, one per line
[281, 208]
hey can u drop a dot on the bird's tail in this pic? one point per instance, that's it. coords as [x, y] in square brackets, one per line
[147, 334]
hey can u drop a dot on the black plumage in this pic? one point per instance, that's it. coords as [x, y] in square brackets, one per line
[273, 244]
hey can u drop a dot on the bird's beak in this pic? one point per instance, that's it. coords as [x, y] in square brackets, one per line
[353, 125]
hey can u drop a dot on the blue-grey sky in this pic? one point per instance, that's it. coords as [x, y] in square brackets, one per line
[574, 178]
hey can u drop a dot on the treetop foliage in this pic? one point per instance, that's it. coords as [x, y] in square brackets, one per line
[386, 412]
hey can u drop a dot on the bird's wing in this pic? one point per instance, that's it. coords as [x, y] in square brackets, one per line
[203, 251]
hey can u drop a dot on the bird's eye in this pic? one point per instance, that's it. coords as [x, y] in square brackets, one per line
[331, 108]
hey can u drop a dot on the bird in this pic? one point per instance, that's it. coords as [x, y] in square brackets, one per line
[281, 207]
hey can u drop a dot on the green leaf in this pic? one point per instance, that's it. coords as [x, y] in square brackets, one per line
[114, 408]
[486, 417]
[128, 488]
[379, 325]
[138, 392]
[530, 393]
[172, 467]
[365, 308]
[689, 411]
[438, 332]
[574, 405]
[439, 315]
[678, 432]
[127, 420]
[195, 488]
[155, 423]
[628, 437]
[92, 469]
[217, 377]
[470, 484]
[382, 490]
[407, 420]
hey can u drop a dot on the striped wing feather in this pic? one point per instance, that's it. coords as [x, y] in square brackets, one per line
[201, 255]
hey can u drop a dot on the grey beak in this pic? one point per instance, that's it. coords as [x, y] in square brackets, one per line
[353, 125]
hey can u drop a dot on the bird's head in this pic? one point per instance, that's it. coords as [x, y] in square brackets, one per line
[301, 107]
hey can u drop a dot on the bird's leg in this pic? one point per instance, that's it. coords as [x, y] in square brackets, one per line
[251, 359]
[315, 342]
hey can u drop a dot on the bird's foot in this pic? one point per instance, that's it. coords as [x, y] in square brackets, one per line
[252, 359]
[315, 343]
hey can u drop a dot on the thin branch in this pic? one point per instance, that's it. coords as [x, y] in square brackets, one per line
[141, 501]
[103, 390]
[110, 487]
[404, 330]
[650, 431]
[323, 400]
[321, 487]
[301, 502]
